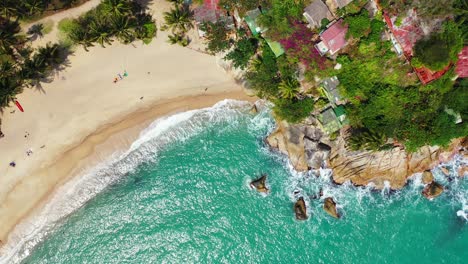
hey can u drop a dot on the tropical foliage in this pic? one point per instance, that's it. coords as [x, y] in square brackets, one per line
[217, 36]
[124, 20]
[439, 49]
[243, 51]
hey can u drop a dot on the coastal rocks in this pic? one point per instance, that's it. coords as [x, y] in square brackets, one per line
[289, 140]
[394, 166]
[329, 206]
[433, 190]
[260, 184]
[301, 143]
[300, 209]
[427, 177]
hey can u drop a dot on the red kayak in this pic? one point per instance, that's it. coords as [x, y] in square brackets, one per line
[19, 106]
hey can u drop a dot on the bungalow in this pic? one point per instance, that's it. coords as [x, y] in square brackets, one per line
[329, 88]
[462, 65]
[251, 20]
[341, 3]
[210, 12]
[316, 12]
[406, 34]
[329, 121]
[333, 39]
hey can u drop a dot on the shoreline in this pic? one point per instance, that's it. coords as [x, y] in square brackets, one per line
[116, 136]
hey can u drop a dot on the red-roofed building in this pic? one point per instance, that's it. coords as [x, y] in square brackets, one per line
[333, 38]
[406, 34]
[462, 65]
[426, 75]
[212, 4]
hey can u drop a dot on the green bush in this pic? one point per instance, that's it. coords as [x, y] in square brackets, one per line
[293, 110]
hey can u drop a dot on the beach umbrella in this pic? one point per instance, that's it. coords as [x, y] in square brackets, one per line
[19, 106]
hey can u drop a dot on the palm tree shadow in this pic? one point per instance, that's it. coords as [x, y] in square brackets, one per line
[55, 72]
[144, 3]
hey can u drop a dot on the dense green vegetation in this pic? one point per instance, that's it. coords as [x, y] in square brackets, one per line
[384, 98]
[179, 21]
[358, 24]
[440, 48]
[124, 20]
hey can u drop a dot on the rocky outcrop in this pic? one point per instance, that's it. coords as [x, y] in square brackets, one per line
[307, 148]
[393, 166]
[300, 209]
[329, 206]
[427, 177]
[433, 190]
[302, 143]
[260, 184]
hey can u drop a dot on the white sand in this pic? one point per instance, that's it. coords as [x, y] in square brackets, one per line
[83, 101]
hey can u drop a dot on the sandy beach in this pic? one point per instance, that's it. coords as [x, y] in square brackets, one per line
[81, 116]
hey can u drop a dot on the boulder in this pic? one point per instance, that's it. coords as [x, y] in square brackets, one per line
[300, 209]
[433, 190]
[289, 140]
[462, 171]
[427, 177]
[330, 207]
[260, 184]
[254, 109]
[377, 167]
[445, 171]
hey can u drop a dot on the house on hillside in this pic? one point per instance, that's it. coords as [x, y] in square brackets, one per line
[405, 35]
[462, 65]
[332, 119]
[332, 39]
[341, 3]
[251, 18]
[329, 88]
[316, 12]
[209, 11]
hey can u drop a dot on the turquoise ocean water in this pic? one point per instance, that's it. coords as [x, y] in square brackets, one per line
[181, 195]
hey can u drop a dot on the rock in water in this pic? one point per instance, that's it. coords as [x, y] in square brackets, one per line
[445, 171]
[330, 207]
[260, 184]
[433, 190]
[300, 209]
[427, 177]
[254, 109]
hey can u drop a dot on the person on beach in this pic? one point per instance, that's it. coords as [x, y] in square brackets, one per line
[12, 164]
[125, 73]
[115, 80]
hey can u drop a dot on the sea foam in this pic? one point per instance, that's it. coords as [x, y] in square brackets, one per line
[75, 193]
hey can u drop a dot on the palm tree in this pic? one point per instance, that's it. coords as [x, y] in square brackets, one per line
[51, 55]
[8, 8]
[7, 69]
[179, 19]
[117, 7]
[33, 7]
[8, 37]
[9, 87]
[289, 88]
[79, 35]
[100, 32]
[178, 39]
[122, 26]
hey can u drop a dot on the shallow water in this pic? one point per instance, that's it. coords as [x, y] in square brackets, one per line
[182, 195]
